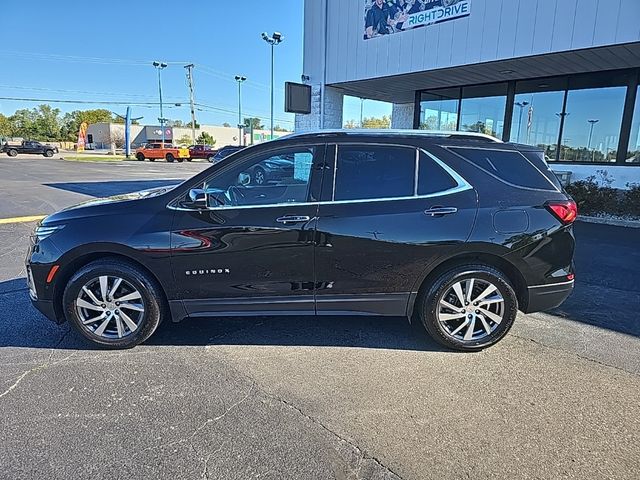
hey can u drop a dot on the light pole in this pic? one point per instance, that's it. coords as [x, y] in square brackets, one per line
[240, 79]
[521, 106]
[361, 111]
[273, 40]
[160, 66]
[593, 124]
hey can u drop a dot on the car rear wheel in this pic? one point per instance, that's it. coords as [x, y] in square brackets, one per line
[48, 153]
[211, 159]
[12, 153]
[114, 303]
[259, 176]
[469, 308]
[170, 158]
[180, 160]
[140, 157]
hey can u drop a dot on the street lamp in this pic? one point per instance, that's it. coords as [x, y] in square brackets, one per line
[160, 66]
[520, 105]
[593, 124]
[240, 79]
[273, 40]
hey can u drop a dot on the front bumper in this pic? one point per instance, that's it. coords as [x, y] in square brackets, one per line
[46, 308]
[546, 297]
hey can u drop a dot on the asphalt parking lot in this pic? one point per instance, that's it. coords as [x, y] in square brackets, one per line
[339, 397]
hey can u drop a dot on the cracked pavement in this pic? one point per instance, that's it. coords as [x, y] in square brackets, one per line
[316, 398]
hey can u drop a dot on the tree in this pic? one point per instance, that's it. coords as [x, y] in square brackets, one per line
[278, 128]
[351, 124]
[188, 125]
[184, 140]
[226, 124]
[71, 121]
[253, 122]
[384, 122]
[175, 123]
[116, 137]
[205, 139]
[6, 128]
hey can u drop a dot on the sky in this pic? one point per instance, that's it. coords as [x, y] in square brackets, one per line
[102, 52]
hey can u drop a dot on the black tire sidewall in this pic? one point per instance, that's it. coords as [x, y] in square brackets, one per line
[170, 158]
[12, 153]
[135, 276]
[140, 157]
[430, 302]
[48, 153]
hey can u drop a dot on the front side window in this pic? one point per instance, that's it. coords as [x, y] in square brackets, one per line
[276, 178]
[374, 172]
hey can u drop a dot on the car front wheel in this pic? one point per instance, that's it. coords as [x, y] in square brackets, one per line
[469, 308]
[48, 153]
[114, 303]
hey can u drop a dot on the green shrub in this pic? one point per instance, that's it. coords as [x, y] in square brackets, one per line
[592, 198]
[632, 199]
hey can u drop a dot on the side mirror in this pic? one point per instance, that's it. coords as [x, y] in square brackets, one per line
[198, 197]
[244, 179]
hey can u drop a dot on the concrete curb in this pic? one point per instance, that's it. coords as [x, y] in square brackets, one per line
[610, 221]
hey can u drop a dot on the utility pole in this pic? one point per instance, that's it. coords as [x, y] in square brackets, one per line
[273, 40]
[191, 101]
[240, 79]
[160, 66]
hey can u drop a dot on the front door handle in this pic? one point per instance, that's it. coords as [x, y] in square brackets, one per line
[287, 219]
[440, 211]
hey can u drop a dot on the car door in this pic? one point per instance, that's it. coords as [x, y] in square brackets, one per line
[31, 147]
[251, 249]
[391, 213]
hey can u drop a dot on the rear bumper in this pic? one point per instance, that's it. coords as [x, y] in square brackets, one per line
[546, 297]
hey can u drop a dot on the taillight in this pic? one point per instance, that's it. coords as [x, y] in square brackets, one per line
[566, 211]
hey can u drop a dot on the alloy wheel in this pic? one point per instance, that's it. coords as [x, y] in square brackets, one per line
[471, 310]
[110, 307]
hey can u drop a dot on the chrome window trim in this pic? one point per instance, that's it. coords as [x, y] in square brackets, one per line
[462, 185]
[416, 174]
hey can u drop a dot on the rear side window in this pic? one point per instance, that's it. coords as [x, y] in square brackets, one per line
[432, 178]
[368, 172]
[509, 166]
[537, 158]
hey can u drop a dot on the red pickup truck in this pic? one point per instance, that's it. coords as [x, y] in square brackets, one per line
[205, 152]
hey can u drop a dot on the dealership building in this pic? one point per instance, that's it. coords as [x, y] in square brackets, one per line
[559, 74]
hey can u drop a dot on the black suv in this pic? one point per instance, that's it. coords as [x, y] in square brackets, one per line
[456, 231]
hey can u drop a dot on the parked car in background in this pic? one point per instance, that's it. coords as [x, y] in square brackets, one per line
[29, 147]
[224, 152]
[456, 231]
[155, 151]
[205, 152]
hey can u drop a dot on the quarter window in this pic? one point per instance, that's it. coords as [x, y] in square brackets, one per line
[370, 172]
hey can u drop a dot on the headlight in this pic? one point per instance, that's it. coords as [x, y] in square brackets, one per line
[44, 231]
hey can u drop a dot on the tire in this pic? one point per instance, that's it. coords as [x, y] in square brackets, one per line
[189, 159]
[259, 176]
[180, 160]
[211, 159]
[48, 153]
[170, 158]
[152, 159]
[12, 152]
[151, 300]
[452, 333]
[140, 157]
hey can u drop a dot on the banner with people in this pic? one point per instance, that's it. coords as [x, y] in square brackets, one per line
[384, 17]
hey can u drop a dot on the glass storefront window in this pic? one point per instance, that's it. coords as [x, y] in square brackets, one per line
[483, 109]
[633, 155]
[592, 126]
[439, 110]
[536, 120]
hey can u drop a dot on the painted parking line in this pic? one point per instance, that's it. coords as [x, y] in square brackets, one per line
[32, 218]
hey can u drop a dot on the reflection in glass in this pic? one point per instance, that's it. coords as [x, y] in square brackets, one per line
[439, 112]
[483, 109]
[592, 125]
[633, 155]
[536, 121]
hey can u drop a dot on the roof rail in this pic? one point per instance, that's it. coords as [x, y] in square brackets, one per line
[389, 131]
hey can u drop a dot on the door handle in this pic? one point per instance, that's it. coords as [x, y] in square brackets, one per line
[440, 211]
[293, 219]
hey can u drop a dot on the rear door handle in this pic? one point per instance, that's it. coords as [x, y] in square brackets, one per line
[440, 211]
[293, 219]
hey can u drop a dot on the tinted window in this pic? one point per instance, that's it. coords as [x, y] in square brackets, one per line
[510, 166]
[367, 172]
[270, 179]
[432, 178]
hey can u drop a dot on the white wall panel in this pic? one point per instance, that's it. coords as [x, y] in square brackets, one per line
[495, 30]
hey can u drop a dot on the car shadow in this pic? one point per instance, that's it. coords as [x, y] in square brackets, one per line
[110, 188]
[21, 325]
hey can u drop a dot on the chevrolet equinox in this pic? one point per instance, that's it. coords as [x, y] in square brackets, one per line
[457, 231]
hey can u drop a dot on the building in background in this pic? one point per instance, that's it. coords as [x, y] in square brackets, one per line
[104, 135]
[560, 74]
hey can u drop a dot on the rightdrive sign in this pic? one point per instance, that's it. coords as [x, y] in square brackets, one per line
[438, 14]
